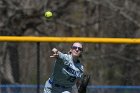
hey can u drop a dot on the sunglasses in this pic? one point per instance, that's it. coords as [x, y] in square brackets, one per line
[75, 47]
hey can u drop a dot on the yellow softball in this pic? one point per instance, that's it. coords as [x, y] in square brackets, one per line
[48, 14]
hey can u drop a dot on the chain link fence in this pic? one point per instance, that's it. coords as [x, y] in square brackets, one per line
[90, 89]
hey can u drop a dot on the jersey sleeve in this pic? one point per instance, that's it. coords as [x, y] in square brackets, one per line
[64, 57]
[81, 68]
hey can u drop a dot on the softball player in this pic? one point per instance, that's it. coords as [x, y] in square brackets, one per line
[67, 70]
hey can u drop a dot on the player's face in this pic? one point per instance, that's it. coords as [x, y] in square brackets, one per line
[76, 49]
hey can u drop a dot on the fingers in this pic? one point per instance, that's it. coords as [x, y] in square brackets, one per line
[55, 51]
[54, 56]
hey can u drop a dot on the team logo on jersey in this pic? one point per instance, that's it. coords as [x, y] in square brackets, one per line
[72, 72]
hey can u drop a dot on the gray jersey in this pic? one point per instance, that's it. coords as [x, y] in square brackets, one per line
[66, 72]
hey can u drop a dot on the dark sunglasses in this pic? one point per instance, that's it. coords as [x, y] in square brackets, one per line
[75, 47]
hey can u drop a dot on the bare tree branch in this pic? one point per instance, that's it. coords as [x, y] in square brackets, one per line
[122, 12]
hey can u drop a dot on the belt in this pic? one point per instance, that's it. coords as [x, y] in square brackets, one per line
[57, 85]
[60, 86]
[50, 81]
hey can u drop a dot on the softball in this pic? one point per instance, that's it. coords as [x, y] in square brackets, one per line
[48, 14]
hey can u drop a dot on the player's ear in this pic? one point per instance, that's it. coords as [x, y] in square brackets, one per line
[70, 51]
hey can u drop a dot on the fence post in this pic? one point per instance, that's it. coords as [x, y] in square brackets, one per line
[38, 67]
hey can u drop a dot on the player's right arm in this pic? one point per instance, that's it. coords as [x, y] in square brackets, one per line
[58, 54]
[55, 53]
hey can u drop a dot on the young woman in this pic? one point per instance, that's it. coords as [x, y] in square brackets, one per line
[67, 70]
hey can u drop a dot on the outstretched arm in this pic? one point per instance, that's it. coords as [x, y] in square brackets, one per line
[58, 54]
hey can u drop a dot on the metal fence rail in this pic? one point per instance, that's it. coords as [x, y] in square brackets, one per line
[20, 88]
[90, 89]
[69, 39]
[113, 89]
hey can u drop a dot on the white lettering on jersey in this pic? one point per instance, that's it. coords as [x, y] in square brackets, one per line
[72, 72]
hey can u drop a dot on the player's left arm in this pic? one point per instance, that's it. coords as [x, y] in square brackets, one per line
[83, 82]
